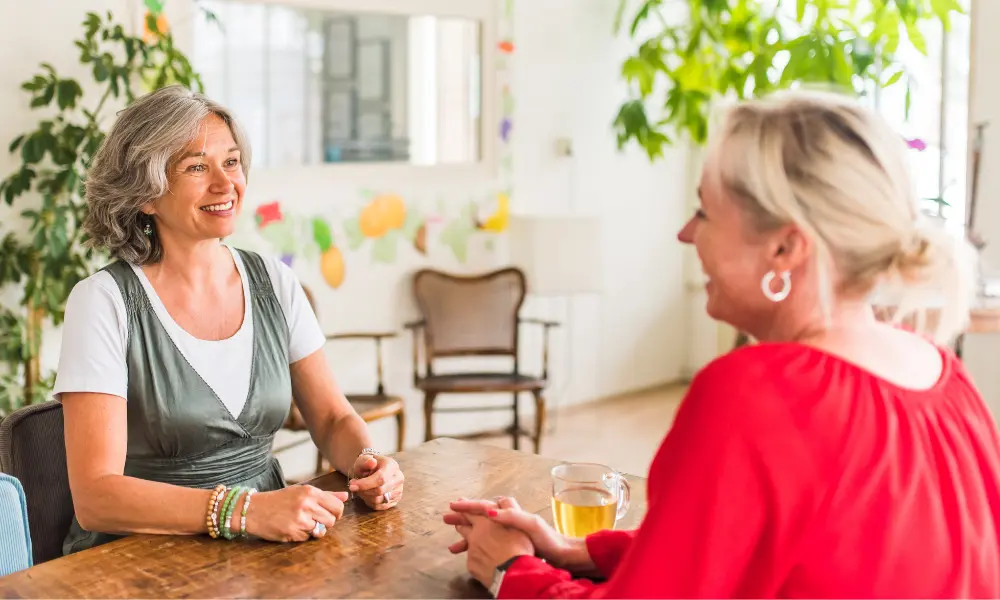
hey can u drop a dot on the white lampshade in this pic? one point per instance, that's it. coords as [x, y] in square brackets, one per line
[560, 256]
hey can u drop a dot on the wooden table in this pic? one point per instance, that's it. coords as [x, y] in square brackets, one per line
[400, 553]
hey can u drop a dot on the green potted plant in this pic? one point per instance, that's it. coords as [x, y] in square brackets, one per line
[749, 48]
[43, 252]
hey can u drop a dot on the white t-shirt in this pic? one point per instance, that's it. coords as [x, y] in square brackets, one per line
[95, 337]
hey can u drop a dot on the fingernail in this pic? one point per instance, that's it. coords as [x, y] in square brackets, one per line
[491, 512]
[353, 488]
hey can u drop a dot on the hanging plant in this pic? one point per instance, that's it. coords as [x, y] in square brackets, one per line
[692, 52]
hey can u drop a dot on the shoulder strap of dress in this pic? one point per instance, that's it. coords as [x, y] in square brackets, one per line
[133, 294]
[260, 281]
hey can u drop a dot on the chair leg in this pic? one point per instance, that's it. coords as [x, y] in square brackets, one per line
[539, 419]
[429, 416]
[400, 430]
[515, 428]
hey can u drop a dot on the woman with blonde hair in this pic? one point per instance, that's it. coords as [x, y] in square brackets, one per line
[840, 456]
[180, 359]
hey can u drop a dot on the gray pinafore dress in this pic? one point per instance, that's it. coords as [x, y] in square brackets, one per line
[179, 431]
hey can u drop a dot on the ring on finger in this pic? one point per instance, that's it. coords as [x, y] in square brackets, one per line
[319, 530]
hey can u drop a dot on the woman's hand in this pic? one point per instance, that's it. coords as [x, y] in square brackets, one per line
[378, 481]
[489, 544]
[291, 514]
[549, 544]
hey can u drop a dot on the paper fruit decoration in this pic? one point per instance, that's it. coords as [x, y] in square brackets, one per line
[497, 221]
[385, 219]
[331, 260]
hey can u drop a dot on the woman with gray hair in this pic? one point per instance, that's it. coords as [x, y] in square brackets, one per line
[841, 457]
[180, 359]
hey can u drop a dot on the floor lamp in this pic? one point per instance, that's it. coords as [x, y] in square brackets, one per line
[561, 258]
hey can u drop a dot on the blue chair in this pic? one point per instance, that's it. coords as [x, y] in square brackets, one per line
[15, 539]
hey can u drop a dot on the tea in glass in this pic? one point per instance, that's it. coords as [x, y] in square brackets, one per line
[587, 498]
[578, 512]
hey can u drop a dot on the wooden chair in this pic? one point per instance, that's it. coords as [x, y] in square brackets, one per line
[370, 407]
[468, 316]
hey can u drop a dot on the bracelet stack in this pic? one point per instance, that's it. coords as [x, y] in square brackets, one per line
[221, 506]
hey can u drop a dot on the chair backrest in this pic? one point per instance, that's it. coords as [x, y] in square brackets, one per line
[470, 315]
[32, 449]
[15, 540]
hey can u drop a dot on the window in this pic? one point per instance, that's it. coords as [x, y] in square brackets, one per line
[324, 86]
[938, 115]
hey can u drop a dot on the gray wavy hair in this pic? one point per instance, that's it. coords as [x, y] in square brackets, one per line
[130, 168]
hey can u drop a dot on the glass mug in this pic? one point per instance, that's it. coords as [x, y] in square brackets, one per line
[587, 498]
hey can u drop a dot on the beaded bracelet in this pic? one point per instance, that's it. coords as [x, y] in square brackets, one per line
[216, 521]
[227, 511]
[243, 517]
[213, 502]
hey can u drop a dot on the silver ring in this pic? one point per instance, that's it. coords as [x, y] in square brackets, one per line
[387, 497]
[318, 529]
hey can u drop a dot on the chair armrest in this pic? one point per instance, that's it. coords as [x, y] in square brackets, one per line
[377, 337]
[416, 328]
[543, 322]
[546, 326]
[361, 335]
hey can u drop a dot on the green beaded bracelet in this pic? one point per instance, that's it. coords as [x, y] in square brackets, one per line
[227, 511]
[243, 517]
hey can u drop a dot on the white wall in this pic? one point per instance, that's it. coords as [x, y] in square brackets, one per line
[982, 350]
[565, 83]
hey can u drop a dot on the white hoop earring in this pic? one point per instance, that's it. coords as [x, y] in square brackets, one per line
[786, 286]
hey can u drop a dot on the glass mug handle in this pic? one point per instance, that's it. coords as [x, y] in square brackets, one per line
[624, 495]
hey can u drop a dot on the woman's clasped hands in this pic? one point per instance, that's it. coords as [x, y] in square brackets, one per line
[494, 531]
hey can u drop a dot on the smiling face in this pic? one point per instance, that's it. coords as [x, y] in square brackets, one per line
[206, 185]
[736, 255]
[732, 255]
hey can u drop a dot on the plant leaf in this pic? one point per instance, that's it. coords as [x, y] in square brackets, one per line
[641, 72]
[907, 101]
[16, 143]
[916, 38]
[68, 90]
[619, 16]
[893, 79]
[641, 15]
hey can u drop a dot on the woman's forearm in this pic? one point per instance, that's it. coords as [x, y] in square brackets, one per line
[343, 439]
[117, 504]
[577, 560]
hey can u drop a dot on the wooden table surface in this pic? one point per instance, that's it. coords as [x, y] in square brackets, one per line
[400, 553]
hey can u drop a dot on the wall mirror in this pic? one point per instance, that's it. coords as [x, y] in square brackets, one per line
[315, 83]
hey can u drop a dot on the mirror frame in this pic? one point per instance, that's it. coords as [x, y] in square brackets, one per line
[483, 11]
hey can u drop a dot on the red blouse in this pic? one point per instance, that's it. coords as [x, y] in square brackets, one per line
[791, 472]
